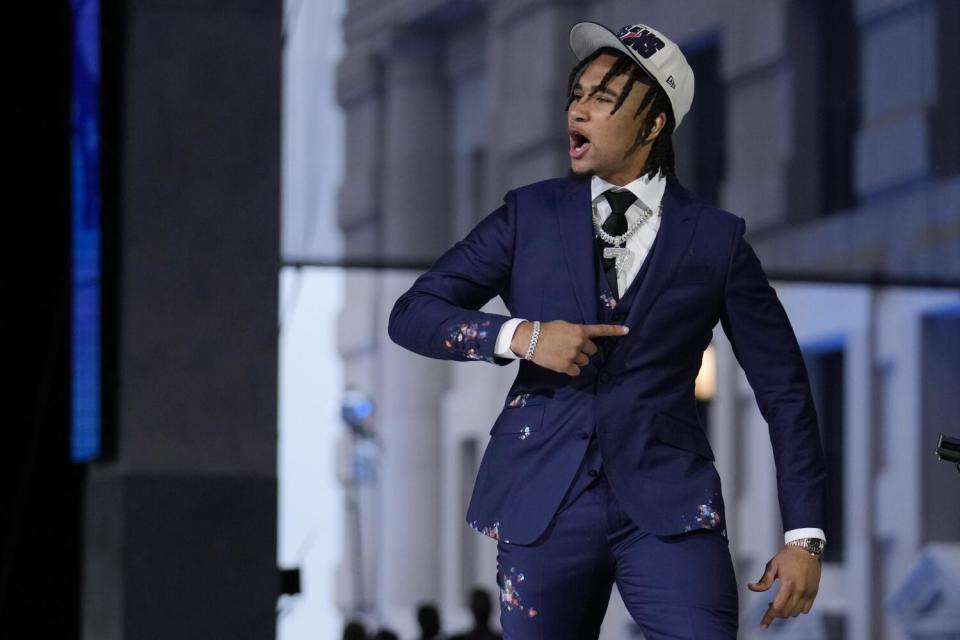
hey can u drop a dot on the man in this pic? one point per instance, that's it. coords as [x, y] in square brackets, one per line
[598, 470]
[428, 618]
[480, 607]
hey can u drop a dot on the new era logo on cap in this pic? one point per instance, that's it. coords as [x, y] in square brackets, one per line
[659, 56]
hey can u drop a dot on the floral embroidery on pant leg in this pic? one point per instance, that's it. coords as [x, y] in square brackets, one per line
[510, 596]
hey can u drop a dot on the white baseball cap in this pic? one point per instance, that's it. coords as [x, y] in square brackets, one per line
[657, 54]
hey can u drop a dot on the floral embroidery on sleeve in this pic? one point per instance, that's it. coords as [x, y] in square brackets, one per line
[465, 338]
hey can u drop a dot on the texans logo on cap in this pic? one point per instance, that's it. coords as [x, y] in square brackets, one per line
[641, 40]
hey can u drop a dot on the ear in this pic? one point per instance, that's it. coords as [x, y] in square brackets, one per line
[658, 124]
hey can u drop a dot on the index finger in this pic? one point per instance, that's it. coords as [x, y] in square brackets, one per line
[776, 607]
[595, 330]
[768, 617]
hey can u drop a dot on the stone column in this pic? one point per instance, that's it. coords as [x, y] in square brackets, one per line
[415, 221]
[528, 60]
[359, 216]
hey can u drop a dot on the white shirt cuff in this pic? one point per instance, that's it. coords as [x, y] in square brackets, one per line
[796, 534]
[505, 338]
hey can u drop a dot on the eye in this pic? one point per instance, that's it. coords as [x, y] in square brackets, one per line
[602, 99]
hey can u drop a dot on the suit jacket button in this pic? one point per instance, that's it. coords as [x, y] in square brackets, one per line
[592, 473]
[583, 435]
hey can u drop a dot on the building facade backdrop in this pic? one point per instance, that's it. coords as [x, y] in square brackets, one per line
[829, 125]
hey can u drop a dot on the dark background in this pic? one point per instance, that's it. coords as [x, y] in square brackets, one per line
[40, 571]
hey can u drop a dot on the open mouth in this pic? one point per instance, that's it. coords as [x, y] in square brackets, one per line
[579, 144]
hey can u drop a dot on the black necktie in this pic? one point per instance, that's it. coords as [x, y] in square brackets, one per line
[615, 225]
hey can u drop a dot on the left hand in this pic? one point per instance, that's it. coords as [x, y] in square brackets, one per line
[799, 574]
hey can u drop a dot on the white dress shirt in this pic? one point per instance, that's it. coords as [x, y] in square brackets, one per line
[649, 192]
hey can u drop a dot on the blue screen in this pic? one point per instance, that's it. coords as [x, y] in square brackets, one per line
[85, 230]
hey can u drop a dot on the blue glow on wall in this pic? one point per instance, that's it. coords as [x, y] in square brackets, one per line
[85, 233]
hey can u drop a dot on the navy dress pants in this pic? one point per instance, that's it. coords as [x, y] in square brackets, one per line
[557, 588]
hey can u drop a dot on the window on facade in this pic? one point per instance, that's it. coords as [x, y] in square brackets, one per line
[839, 77]
[835, 626]
[700, 142]
[939, 381]
[946, 125]
[824, 55]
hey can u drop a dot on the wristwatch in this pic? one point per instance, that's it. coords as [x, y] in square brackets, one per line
[814, 546]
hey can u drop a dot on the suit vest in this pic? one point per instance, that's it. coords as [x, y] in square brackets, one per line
[610, 311]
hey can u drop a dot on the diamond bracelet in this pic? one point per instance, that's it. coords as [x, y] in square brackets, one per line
[533, 340]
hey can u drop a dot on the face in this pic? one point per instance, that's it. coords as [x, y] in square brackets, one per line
[600, 142]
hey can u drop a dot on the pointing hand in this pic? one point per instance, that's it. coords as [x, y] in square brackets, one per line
[563, 346]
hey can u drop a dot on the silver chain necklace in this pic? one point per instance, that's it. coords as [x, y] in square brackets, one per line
[621, 253]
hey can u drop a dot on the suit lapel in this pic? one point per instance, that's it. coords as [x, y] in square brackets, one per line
[576, 236]
[674, 236]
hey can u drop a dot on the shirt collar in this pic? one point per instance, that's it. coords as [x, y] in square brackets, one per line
[649, 191]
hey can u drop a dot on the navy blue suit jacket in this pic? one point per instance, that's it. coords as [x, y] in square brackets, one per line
[536, 251]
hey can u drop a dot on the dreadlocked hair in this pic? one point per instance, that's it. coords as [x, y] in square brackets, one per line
[661, 154]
